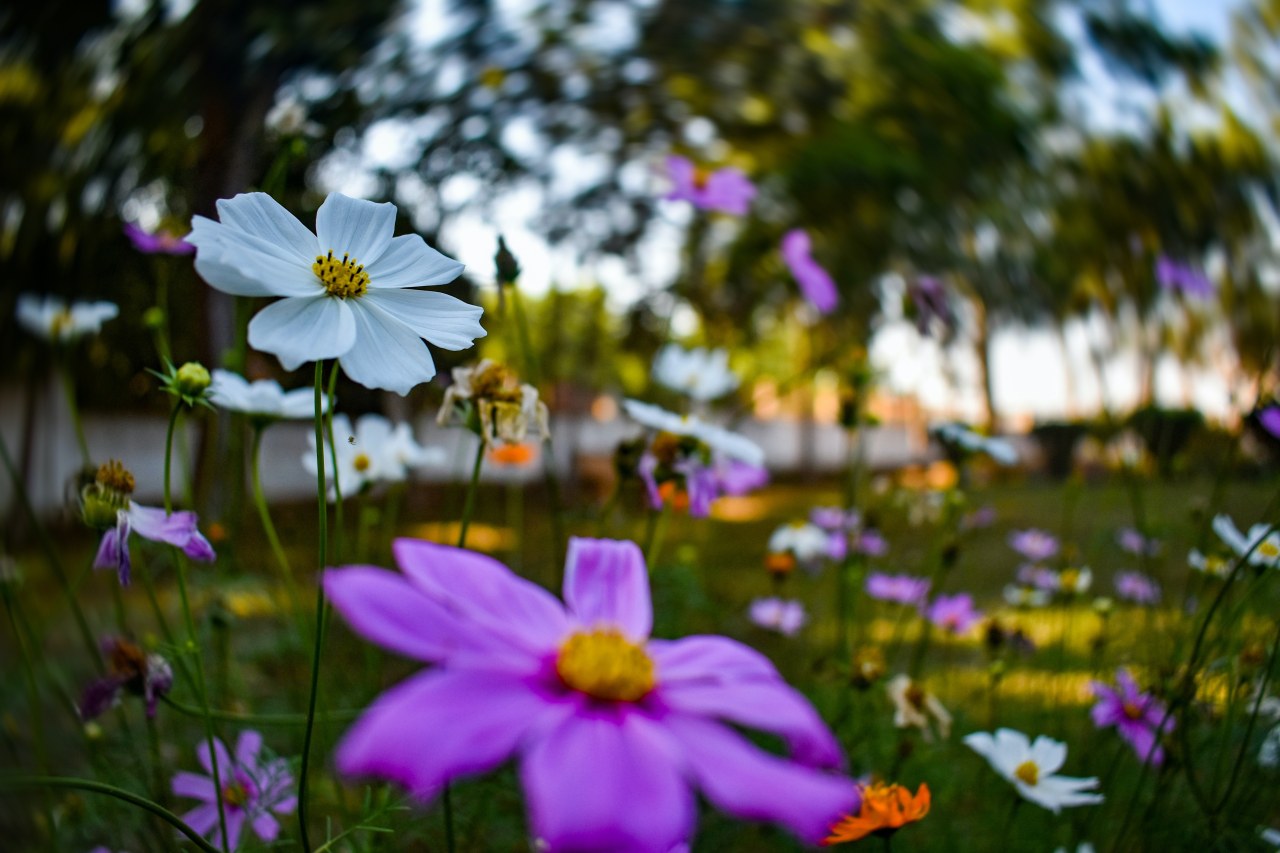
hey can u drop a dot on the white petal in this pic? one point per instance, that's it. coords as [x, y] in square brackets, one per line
[410, 262]
[1048, 754]
[353, 225]
[304, 329]
[244, 264]
[445, 321]
[387, 353]
[262, 216]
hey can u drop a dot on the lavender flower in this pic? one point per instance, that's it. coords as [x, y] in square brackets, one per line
[815, 282]
[1137, 587]
[726, 190]
[902, 589]
[251, 790]
[1035, 545]
[1137, 716]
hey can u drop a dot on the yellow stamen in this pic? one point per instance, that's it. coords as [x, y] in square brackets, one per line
[113, 475]
[1028, 772]
[341, 278]
[1269, 549]
[1069, 579]
[362, 462]
[234, 794]
[62, 322]
[604, 664]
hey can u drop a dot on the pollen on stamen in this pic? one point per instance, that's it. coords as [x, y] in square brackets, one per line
[341, 278]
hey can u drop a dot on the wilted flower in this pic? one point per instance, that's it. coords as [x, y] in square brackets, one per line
[914, 707]
[778, 614]
[264, 400]
[129, 669]
[903, 589]
[252, 789]
[1180, 277]
[54, 320]
[1137, 587]
[1035, 545]
[157, 242]
[963, 440]
[373, 451]
[1133, 542]
[1137, 716]
[346, 291]
[1261, 543]
[727, 190]
[1030, 767]
[494, 403]
[611, 730]
[885, 810]
[955, 613]
[816, 284]
[703, 374]
[105, 504]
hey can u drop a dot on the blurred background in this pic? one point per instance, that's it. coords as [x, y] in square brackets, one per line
[1040, 160]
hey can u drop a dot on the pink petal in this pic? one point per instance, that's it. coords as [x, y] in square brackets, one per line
[174, 529]
[247, 747]
[202, 819]
[749, 783]
[224, 759]
[186, 784]
[708, 659]
[605, 583]
[606, 780]
[266, 827]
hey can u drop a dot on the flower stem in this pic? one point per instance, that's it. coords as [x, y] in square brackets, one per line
[111, 791]
[654, 535]
[268, 527]
[258, 719]
[469, 505]
[322, 522]
[192, 645]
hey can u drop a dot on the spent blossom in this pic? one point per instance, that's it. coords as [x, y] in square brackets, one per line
[254, 791]
[492, 401]
[129, 670]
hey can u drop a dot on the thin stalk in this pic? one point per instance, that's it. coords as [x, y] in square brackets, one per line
[19, 782]
[654, 533]
[192, 646]
[69, 389]
[268, 527]
[322, 523]
[29, 681]
[343, 715]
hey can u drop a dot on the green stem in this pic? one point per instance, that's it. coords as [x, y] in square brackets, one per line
[168, 455]
[339, 529]
[322, 523]
[91, 786]
[259, 719]
[469, 505]
[268, 527]
[29, 679]
[69, 389]
[656, 533]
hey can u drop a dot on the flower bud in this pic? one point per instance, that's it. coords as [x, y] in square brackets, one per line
[192, 379]
[153, 318]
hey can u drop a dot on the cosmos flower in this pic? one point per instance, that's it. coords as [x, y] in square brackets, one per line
[156, 243]
[373, 451]
[806, 544]
[702, 374]
[915, 707]
[131, 670]
[727, 190]
[718, 439]
[1137, 716]
[106, 505]
[778, 614]
[1137, 587]
[56, 321]
[1030, 767]
[1261, 543]
[902, 589]
[1213, 565]
[612, 731]
[346, 290]
[965, 441]
[1035, 545]
[1019, 595]
[504, 408]
[816, 284]
[1179, 277]
[885, 810]
[252, 789]
[955, 613]
[264, 399]
[1133, 542]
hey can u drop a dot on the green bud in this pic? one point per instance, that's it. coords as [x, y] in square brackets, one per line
[153, 318]
[192, 379]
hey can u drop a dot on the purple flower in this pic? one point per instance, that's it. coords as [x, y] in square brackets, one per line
[837, 546]
[1137, 716]
[612, 731]
[726, 190]
[834, 518]
[1179, 277]
[903, 589]
[159, 243]
[778, 614]
[815, 283]
[871, 543]
[178, 529]
[984, 516]
[1133, 542]
[953, 612]
[1269, 418]
[1035, 545]
[1040, 577]
[735, 477]
[251, 791]
[129, 669]
[1137, 587]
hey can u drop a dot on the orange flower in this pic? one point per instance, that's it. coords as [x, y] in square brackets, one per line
[780, 563]
[513, 454]
[885, 810]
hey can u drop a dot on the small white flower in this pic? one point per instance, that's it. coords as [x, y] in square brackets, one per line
[1270, 836]
[1025, 596]
[1211, 564]
[1261, 543]
[702, 374]
[999, 449]
[50, 318]
[346, 289]
[808, 543]
[778, 614]
[371, 452]
[1031, 768]
[263, 398]
[718, 438]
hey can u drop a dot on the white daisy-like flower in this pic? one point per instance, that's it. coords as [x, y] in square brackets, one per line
[56, 321]
[1018, 595]
[1212, 565]
[1031, 766]
[999, 449]
[808, 543]
[263, 398]
[373, 451]
[345, 288]
[718, 438]
[1261, 543]
[703, 374]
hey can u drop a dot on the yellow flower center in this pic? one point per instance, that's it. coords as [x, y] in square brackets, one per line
[1028, 772]
[362, 462]
[1269, 549]
[234, 794]
[62, 322]
[1069, 579]
[604, 664]
[341, 278]
[1132, 711]
[113, 475]
[701, 176]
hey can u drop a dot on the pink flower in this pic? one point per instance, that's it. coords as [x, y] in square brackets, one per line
[871, 543]
[178, 529]
[1269, 418]
[903, 589]
[1132, 541]
[1179, 277]
[159, 243]
[1137, 716]
[815, 283]
[1035, 545]
[726, 190]
[778, 614]
[251, 791]
[612, 731]
[953, 612]
[1137, 587]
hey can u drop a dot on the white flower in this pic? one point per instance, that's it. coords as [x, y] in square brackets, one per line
[372, 452]
[1031, 768]
[808, 543]
[998, 449]
[50, 318]
[1074, 581]
[1269, 753]
[1261, 543]
[1270, 836]
[778, 614]
[717, 438]
[346, 292]
[1025, 596]
[506, 408]
[263, 398]
[1210, 564]
[702, 374]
